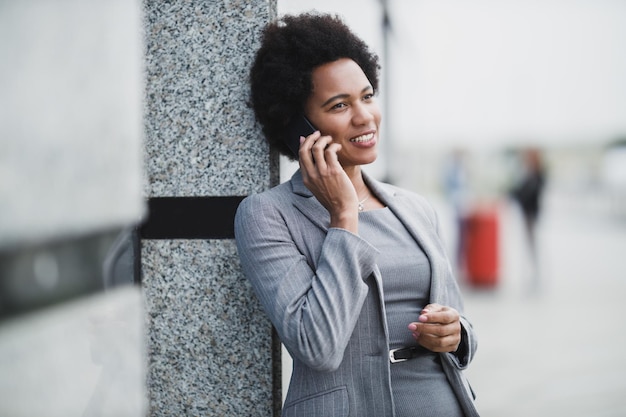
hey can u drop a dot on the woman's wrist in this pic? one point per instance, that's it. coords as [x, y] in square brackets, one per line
[345, 219]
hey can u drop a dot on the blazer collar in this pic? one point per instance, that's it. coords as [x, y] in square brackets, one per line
[297, 185]
[398, 202]
[392, 197]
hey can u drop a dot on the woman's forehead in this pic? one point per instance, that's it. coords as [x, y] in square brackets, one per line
[343, 76]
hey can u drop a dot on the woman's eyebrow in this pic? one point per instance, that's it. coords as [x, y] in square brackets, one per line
[342, 96]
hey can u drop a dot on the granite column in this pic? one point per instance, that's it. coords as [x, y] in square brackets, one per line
[210, 348]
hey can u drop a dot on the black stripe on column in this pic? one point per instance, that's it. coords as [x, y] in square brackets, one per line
[190, 218]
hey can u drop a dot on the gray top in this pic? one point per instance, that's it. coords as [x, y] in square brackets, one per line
[420, 387]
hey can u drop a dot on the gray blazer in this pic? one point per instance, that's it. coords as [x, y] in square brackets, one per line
[322, 290]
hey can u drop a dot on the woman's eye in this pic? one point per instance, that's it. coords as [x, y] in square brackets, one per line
[339, 105]
[368, 96]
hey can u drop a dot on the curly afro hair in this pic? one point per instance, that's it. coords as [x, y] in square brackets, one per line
[291, 47]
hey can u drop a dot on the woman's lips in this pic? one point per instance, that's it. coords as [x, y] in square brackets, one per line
[363, 138]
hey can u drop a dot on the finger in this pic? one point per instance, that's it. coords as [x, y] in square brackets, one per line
[442, 315]
[428, 309]
[439, 344]
[307, 142]
[437, 337]
[330, 155]
[305, 157]
[318, 151]
[434, 307]
[437, 329]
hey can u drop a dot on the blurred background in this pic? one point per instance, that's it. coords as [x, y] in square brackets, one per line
[71, 180]
[511, 118]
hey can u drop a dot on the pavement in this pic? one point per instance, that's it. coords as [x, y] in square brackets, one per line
[560, 349]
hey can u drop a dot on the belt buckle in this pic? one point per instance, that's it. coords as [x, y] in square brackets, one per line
[392, 357]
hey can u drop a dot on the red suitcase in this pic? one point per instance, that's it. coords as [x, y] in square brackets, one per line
[481, 247]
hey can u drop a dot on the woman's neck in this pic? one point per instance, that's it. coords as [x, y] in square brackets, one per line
[356, 177]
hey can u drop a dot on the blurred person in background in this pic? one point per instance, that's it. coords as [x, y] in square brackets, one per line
[351, 271]
[527, 192]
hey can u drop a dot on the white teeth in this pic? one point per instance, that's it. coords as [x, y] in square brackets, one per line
[363, 138]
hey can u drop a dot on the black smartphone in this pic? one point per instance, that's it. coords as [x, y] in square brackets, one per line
[299, 126]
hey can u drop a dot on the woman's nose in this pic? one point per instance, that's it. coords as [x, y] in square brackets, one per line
[363, 114]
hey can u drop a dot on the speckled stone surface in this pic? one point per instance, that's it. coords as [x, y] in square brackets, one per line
[209, 344]
[201, 137]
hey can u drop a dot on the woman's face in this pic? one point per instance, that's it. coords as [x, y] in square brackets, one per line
[342, 105]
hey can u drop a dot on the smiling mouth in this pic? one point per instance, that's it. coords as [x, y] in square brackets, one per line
[363, 138]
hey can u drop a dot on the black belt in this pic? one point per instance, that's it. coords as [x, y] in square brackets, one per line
[403, 354]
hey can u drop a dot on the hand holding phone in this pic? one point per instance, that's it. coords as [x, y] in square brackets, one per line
[299, 126]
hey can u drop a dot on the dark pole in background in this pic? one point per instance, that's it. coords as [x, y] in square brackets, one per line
[387, 141]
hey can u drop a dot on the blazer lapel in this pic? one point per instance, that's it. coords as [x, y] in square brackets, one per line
[409, 215]
[307, 204]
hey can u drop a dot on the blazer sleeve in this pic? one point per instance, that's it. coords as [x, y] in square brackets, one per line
[314, 304]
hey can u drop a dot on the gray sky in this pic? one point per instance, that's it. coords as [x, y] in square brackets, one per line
[488, 72]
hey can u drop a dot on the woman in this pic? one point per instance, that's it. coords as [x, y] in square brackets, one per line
[351, 271]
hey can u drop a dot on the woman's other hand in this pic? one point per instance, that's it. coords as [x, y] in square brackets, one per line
[438, 328]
